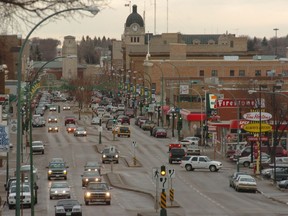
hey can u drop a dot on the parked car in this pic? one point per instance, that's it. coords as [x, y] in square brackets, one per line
[147, 125]
[176, 154]
[245, 161]
[245, 183]
[80, 131]
[59, 190]
[68, 207]
[283, 184]
[155, 129]
[95, 120]
[193, 140]
[233, 177]
[38, 121]
[25, 192]
[109, 124]
[280, 174]
[190, 163]
[137, 119]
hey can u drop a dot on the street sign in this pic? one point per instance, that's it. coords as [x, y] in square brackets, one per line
[100, 129]
[4, 138]
[155, 173]
[171, 173]
[163, 182]
[252, 138]
[134, 144]
[255, 127]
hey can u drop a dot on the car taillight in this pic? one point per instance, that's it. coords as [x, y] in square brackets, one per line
[170, 155]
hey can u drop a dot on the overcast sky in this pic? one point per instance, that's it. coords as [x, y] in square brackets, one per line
[241, 17]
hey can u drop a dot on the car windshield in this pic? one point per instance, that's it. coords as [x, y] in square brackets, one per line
[90, 174]
[67, 202]
[37, 143]
[80, 129]
[91, 164]
[124, 129]
[100, 186]
[207, 159]
[59, 185]
[24, 188]
[56, 165]
[161, 130]
[244, 179]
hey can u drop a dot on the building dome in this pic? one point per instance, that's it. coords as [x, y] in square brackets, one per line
[134, 17]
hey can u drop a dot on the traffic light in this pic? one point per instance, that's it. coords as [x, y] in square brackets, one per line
[179, 123]
[114, 121]
[163, 170]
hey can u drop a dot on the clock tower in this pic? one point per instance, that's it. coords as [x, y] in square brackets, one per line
[134, 32]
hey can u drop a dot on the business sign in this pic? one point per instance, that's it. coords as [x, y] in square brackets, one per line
[212, 98]
[184, 89]
[255, 127]
[4, 138]
[235, 103]
[257, 116]
[252, 138]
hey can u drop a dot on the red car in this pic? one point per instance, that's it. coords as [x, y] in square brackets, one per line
[124, 120]
[161, 133]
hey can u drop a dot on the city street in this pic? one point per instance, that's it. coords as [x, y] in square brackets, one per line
[196, 193]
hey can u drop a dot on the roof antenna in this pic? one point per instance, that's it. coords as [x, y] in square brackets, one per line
[148, 50]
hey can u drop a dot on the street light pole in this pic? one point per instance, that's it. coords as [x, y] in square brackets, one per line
[276, 41]
[94, 11]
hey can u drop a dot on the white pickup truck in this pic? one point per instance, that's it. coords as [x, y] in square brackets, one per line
[192, 162]
[25, 195]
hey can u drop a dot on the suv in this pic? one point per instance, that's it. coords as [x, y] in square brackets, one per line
[25, 194]
[110, 154]
[176, 154]
[200, 162]
[69, 120]
[97, 192]
[57, 170]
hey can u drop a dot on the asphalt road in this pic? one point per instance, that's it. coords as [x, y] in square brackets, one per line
[198, 193]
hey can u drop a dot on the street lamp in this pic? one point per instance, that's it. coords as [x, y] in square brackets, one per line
[94, 11]
[276, 41]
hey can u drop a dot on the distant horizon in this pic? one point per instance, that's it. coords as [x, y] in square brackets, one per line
[197, 17]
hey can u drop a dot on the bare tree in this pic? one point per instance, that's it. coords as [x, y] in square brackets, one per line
[14, 14]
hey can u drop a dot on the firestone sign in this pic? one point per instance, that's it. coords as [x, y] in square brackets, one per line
[235, 103]
[255, 116]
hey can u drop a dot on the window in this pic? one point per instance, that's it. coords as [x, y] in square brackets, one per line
[196, 42]
[232, 73]
[214, 73]
[201, 73]
[231, 43]
[241, 73]
[137, 39]
[202, 159]
[131, 39]
[194, 159]
[257, 72]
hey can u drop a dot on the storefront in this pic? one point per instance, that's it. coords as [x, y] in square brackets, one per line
[192, 122]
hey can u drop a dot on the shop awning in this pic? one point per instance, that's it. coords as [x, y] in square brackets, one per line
[189, 116]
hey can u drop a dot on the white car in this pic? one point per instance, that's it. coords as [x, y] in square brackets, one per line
[66, 107]
[245, 161]
[95, 121]
[190, 163]
[25, 193]
[121, 106]
[80, 131]
[193, 140]
[59, 190]
[105, 118]
[245, 182]
[38, 146]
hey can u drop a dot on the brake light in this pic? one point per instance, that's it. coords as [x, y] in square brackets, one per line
[170, 155]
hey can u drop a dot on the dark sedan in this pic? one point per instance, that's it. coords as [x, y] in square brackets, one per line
[68, 207]
[89, 176]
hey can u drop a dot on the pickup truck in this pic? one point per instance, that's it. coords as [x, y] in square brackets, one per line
[25, 195]
[190, 163]
[97, 192]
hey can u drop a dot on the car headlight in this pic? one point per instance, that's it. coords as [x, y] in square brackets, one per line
[84, 132]
[60, 209]
[64, 191]
[56, 128]
[76, 209]
[88, 194]
[56, 192]
[86, 179]
[49, 119]
[89, 169]
[50, 128]
[49, 172]
[116, 155]
[104, 156]
[65, 172]
[97, 179]
[107, 194]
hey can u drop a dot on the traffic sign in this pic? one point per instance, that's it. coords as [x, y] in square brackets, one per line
[171, 173]
[255, 127]
[4, 138]
[155, 173]
[163, 182]
[134, 144]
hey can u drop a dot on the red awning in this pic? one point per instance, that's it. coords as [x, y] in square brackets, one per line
[196, 117]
